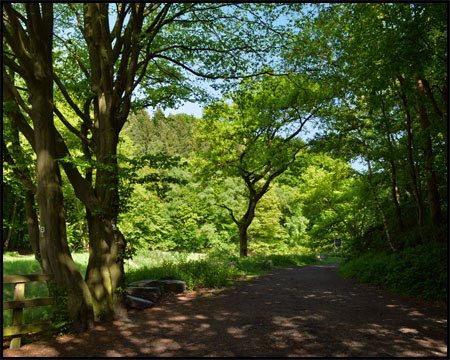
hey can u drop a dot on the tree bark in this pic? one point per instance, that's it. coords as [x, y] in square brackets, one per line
[11, 223]
[417, 193]
[106, 243]
[32, 225]
[374, 194]
[433, 194]
[243, 225]
[105, 271]
[393, 172]
[440, 114]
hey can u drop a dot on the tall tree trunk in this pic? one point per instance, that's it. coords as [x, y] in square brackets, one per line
[105, 273]
[433, 194]
[396, 196]
[440, 114]
[374, 194]
[243, 241]
[243, 226]
[11, 224]
[254, 196]
[56, 257]
[32, 225]
[412, 168]
[393, 172]
[34, 55]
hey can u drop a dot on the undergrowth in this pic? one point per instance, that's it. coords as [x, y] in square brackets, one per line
[420, 271]
[197, 270]
[214, 271]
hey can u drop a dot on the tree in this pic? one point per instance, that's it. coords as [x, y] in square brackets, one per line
[171, 135]
[32, 47]
[255, 137]
[392, 95]
[151, 45]
[325, 191]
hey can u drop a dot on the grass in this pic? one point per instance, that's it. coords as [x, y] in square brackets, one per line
[197, 270]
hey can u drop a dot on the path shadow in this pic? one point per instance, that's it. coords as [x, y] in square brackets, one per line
[306, 311]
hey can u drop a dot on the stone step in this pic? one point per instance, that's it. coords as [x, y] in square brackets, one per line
[144, 283]
[176, 286]
[145, 292]
[138, 303]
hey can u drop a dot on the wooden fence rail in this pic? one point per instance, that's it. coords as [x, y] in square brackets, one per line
[19, 303]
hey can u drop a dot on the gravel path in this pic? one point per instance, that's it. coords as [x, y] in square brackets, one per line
[300, 311]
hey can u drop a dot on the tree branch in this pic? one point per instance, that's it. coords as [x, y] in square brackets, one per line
[230, 211]
[215, 77]
[69, 126]
[75, 55]
[15, 93]
[68, 98]
[79, 22]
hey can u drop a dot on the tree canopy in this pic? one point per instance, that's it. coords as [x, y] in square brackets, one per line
[369, 81]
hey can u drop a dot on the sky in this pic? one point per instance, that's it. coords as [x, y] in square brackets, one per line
[188, 108]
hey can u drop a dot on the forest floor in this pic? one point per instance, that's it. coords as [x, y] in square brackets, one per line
[299, 311]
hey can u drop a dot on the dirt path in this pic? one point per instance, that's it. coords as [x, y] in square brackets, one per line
[302, 311]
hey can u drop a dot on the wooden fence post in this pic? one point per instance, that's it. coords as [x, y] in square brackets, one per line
[19, 303]
[19, 295]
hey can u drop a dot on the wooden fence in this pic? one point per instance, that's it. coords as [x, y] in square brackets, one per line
[19, 302]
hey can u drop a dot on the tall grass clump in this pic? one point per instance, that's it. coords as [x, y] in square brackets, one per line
[196, 273]
[420, 271]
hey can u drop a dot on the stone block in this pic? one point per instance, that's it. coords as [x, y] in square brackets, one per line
[144, 283]
[138, 303]
[145, 292]
[176, 286]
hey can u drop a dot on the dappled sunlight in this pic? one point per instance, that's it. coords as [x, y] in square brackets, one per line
[178, 318]
[415, 313]
[314, 317]
[202, 317]
[408, 331]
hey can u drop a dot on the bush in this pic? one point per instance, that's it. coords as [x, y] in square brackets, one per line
[420, 271]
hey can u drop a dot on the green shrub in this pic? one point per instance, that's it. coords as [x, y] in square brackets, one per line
[419, 271]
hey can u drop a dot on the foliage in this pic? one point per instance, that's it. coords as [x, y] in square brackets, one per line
[420, 271]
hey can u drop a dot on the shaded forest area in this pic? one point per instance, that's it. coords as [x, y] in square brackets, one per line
[87, 166]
